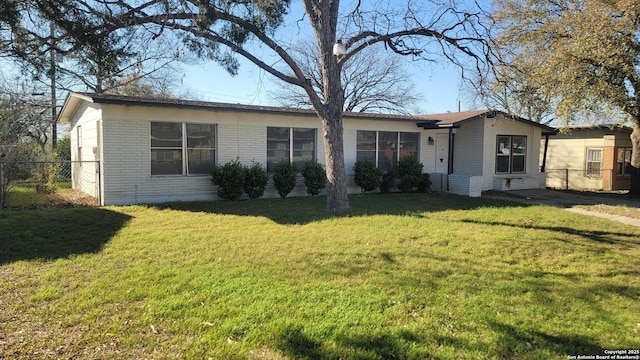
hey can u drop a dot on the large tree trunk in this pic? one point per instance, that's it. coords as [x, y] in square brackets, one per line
[323, 16]
[332, 134]
[634, 191]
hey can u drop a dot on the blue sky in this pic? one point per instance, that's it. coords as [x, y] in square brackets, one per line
[438, 84]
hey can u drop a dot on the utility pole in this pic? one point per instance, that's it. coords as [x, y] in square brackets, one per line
[54, 110]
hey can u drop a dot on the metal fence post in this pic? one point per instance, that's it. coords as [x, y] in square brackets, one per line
[99, 194]
[566, 177]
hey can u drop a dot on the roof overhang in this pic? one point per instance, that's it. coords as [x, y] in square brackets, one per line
[433, 125]
[456, 120]
[74, 100]
[70, 106]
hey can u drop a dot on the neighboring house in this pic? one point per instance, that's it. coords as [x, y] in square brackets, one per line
[590, 158]
[158, 150]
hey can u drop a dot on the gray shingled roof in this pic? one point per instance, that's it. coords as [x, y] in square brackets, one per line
[195, 104]
[429, 121]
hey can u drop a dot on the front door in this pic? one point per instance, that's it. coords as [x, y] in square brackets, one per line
[442, 153]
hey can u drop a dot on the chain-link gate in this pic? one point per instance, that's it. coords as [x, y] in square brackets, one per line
[32, 184]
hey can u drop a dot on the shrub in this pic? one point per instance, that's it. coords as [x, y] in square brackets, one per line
[230, 180]
[63, 150]
[388, 181]
[409, 173]
[284, 178]
[425, 183]
[315, 178]
[367, 175]
[255, 180]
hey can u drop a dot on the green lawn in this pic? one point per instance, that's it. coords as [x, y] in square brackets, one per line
[401, 276]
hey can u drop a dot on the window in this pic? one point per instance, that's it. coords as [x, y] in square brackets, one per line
[79, 132]
[384, 148]
[593, 167]
[511, 154]
[297, 145]
[201, 151]
[624, 162]
[182, 149]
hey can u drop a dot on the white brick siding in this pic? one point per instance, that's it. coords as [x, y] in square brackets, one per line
[126, 153]
[467, 185]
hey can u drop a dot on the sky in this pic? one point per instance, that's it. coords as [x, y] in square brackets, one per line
[439, 86]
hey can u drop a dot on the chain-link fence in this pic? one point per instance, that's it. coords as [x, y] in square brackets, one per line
[32, 184]
[580, 179]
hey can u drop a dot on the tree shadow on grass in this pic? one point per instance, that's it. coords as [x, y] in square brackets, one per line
[295, 343]
[51, 234]
[304, 210]
[515, 342]
[599, 236]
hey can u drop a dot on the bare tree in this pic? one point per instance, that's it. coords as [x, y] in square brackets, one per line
[506, 88]
[220, 30]
[65, 46]
[22, 117]
[372, 82]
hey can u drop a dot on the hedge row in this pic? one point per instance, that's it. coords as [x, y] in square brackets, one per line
[235, 179]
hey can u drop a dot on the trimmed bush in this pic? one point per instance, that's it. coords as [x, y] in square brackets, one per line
[255, 180]
[425, 183]
[388, 181]
[284, 178]
[230, 180]
[367, 175]
[315, 178]
[409, 173]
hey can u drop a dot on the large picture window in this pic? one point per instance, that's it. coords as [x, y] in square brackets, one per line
[624, 162]
[384, 148]
[511, 154]
[182, 149]
[296, 145]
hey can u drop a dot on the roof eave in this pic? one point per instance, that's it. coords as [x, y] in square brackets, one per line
[433, 125]
[70, 106]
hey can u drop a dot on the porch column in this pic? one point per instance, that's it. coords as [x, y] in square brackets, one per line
[450, 164]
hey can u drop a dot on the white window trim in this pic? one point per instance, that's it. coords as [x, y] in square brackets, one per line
[184, 149]
[397, 150]
[291, 129]
[590, 173]
[79, 137]
[511, 155]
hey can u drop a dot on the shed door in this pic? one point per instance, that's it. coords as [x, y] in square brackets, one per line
[442, 153]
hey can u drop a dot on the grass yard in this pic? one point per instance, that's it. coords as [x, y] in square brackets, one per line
[401, 276]
[24, 195]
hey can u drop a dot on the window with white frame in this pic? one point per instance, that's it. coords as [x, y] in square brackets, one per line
[593, 166]
[624, 162]
[297, 145]
[182, 148]
[79, 136]
[384, 148]
[511, 154]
